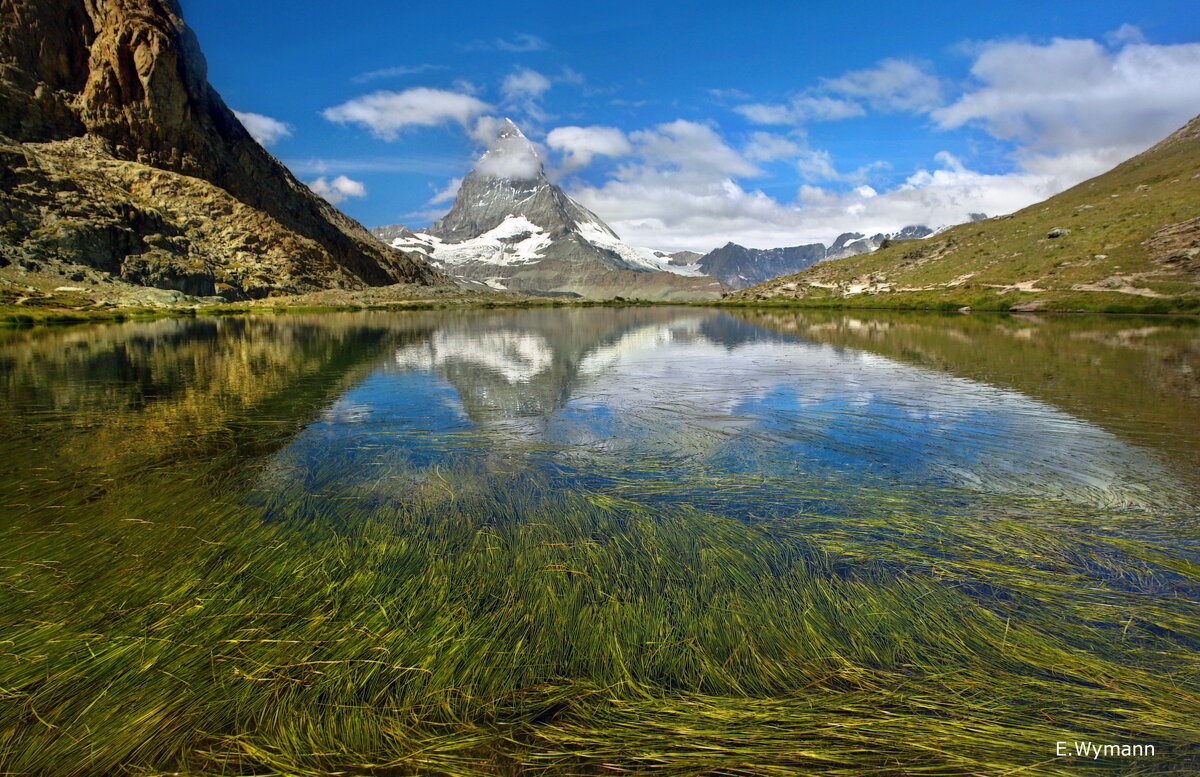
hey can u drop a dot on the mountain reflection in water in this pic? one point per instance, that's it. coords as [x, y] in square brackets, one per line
[669, 402]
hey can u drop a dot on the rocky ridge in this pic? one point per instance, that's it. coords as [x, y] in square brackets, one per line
[120, 163]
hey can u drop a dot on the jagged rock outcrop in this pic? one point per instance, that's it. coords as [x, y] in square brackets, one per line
[511, 228]
[120, 158]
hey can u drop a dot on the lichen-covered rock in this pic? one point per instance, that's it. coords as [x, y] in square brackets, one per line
[116, 154]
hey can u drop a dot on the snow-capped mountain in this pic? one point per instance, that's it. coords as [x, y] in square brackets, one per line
[513, 229]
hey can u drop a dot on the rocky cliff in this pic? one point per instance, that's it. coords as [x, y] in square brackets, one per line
[117, 158]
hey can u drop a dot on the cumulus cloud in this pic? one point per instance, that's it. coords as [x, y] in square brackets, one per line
[651, 207]
[767, 147]
[679, 188]
[264, 129]
[338, 189]
[892, 85]
[677, 185]
[688, 148]
[1110, 104]
[582, 144]
[523, 88]
[386, 113]
[816, 166]
[524, 84]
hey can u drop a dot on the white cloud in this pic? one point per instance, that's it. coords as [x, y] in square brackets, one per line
[510, 155]
[523, 89]
[688, 148]
[524, 84]
[396, 72]
[767, 147]
[520, 43]
[817, 166]
[1126, 33]
[581, 144]
[1075, 96]
[264, 129]
[892, 85]
[485, 129]
[679, 189]
[446, 194]
[338, 189]
[801, 109]
[386, 113]
[676, 190]
[729, 94]
[569, 76]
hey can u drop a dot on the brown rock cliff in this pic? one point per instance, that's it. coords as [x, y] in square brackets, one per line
[120, 156]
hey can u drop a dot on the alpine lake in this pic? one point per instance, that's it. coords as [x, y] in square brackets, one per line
[638, 540]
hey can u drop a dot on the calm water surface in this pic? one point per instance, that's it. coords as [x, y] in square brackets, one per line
[747, 413]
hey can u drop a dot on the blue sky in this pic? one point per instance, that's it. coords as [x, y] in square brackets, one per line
[686, 125]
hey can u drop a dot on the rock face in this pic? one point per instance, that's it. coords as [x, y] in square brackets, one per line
[511, 228]
[119, 157]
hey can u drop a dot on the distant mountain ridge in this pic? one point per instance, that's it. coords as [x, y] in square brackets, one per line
[739, 267]
[512, 229]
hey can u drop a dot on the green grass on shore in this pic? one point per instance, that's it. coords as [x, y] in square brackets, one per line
[26, 314]
[982, 300]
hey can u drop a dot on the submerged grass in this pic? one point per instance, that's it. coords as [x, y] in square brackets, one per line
[478, 622]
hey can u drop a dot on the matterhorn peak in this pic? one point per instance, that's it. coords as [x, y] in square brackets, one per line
[510, 156]
[512, 228]
[509, 129]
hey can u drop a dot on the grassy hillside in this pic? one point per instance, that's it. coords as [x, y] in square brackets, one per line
[1125, 241]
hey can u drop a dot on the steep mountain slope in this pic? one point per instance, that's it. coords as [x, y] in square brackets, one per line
[511, 228]
[118, 159]
[1127, 240]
